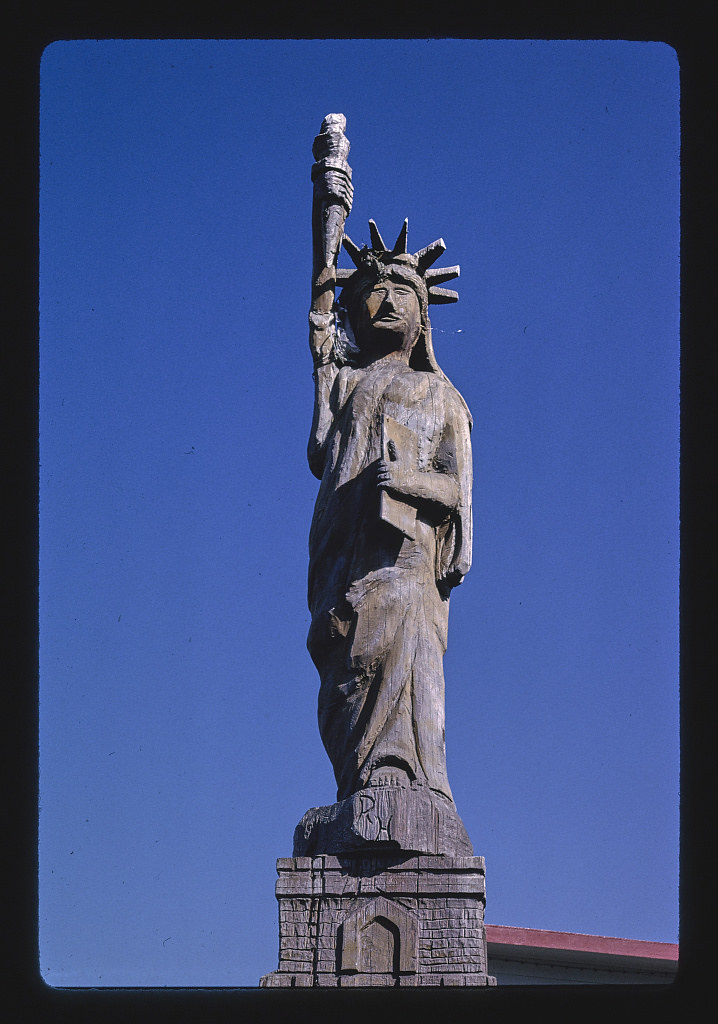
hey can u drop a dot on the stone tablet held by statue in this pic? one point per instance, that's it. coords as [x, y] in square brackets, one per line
[399, 444]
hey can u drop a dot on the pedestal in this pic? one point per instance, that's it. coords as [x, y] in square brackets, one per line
[391, 920]
[384, 819]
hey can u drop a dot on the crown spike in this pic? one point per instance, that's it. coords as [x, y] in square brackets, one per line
[400, 244]
[430, 254]
[352, 249]
[377, 242]
[439, 296]
[440, 275]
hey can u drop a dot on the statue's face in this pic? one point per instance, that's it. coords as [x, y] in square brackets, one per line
[390, 317]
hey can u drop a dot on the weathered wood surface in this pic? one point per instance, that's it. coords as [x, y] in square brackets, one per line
[411, 818]
[383, 888]
[391, 532]
[358, 922]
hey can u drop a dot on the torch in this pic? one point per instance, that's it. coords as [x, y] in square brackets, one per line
[332, 202]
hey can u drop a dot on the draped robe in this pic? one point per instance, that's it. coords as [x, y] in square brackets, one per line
[379, 600]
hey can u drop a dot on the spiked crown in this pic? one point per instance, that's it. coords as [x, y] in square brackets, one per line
[371, 260]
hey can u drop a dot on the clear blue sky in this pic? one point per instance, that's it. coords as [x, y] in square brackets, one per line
[178, 736]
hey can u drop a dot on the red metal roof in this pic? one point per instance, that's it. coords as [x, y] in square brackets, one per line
[541, 939]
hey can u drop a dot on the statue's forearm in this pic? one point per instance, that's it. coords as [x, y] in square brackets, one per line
[322, 420]
[424, 488]
[434, 488]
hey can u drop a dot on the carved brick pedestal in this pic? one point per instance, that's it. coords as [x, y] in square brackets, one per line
[372, 921]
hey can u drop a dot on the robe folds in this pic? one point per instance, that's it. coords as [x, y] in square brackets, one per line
[379, 599]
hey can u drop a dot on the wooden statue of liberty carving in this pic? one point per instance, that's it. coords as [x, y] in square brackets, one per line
[391, 532]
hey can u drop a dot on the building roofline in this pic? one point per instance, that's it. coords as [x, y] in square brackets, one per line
[538, 939]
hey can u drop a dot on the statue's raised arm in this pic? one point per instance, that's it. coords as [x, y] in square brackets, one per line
[331, 203]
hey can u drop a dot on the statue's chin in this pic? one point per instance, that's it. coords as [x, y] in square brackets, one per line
[384, 336]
